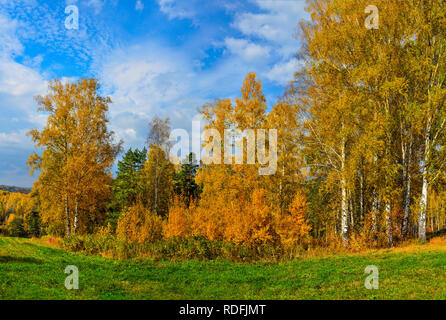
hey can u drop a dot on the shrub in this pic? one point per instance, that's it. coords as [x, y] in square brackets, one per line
[140, 225]
[56, 229]
[33, 224]
[90, 243]
[179, 223]
[251, 224]
[208, 223]
[73, 243]
[15, 227]
[176, 248]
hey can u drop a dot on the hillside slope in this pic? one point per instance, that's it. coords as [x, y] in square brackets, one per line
[14, 189]
[29, 270]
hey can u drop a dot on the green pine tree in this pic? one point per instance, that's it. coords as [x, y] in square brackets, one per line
[127, 187]
[185, 186]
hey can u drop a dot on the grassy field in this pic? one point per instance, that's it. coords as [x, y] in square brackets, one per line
[31, 270]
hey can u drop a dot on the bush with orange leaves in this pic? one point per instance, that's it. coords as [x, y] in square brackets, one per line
[252, 225]
[249, 223]
[179, 222]
[244, 222]
[209, 223]
[293, 227]
[139, 224]
[194, 221]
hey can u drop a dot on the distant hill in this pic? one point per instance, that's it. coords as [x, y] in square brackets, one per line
[15, 189]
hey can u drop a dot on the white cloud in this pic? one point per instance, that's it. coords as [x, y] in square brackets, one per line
[19, 80]
[9, 43]
[283, 72]
[141, 75]
[17, 139]
[275, 28]
[177, 9]
[144, 81]
[247, 50]
[6, 139]
[149, 79]
[19, 83]
[277, 23]
[96, 5]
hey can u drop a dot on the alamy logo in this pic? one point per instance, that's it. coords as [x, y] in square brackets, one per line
[233, 142]
[72, 281]
[372, 21]
[372, 281]
[72, 21]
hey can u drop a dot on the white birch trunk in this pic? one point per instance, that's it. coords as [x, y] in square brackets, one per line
[67, 217]
[423, 208]
[362, 196]
[76, 212]
[374, 211]
[344, 200]
[156, 182]
[389, 233]
[425, 187]
[407, 156]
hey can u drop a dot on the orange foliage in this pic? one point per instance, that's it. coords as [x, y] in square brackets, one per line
[139, 224]
[208, 223]
[251, 224]
[293, 227]
[179, 222]
[10, 219]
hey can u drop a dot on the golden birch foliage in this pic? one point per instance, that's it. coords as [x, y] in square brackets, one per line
[157, 181]
[249, 112]
[179, 222]
[16, 205]
[227, 184]
[19, 203]
[249, 222]
[209, 223]
[139, 224]
[78, 153]
[281, 186]
[233, 204]
[355, 83]
[436, 213]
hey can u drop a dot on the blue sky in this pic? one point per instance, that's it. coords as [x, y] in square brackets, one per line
[153, 57]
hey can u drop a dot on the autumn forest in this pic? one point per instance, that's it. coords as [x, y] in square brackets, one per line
[361, 154]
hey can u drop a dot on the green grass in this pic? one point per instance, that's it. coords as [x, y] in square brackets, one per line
[32, 271]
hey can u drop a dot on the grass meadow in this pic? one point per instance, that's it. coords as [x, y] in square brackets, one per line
[33, 269]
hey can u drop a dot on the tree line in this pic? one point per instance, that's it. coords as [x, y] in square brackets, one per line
[373, 103]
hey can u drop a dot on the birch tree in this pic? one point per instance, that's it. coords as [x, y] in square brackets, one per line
[77, 156]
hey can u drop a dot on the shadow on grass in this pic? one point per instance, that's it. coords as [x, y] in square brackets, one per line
[41, 248]
[6, 259]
